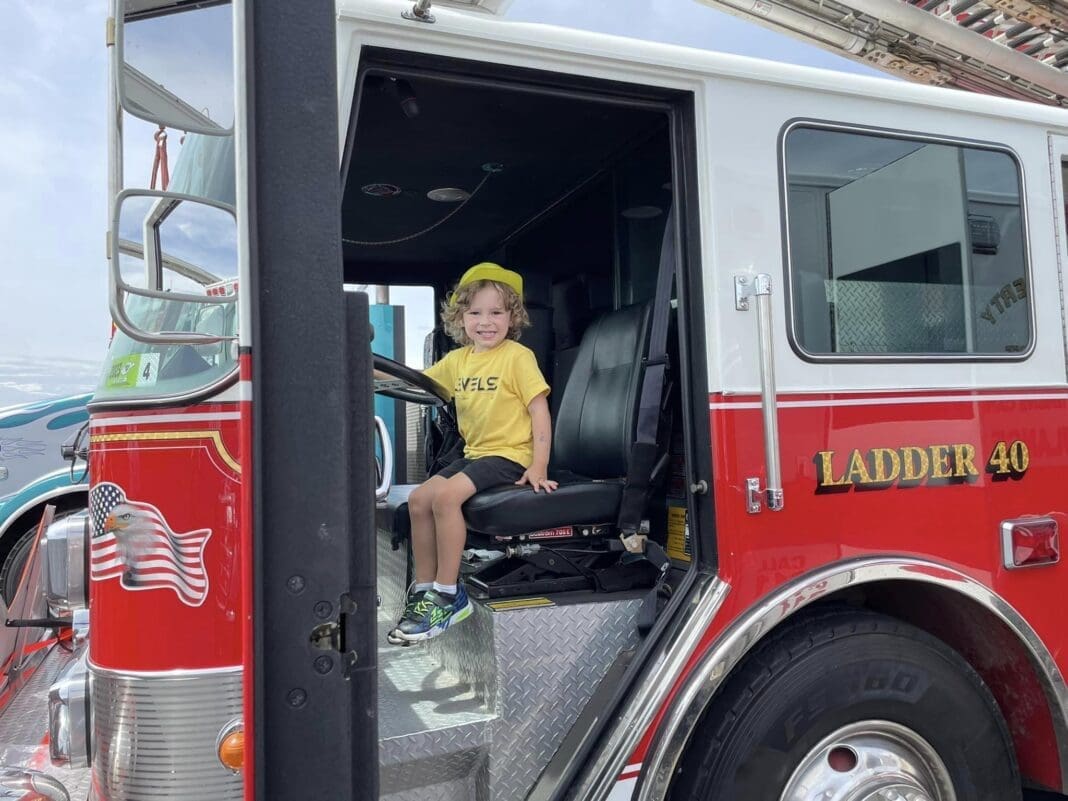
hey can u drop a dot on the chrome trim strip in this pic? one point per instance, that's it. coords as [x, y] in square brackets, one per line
[658, 680]
[182, 673]
[154, 736]
[747, 630]
[788, 267]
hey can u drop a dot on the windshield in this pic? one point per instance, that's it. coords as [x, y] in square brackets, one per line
[205, 167]
[138, 370]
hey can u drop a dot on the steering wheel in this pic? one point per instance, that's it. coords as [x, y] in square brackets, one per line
[407, 384]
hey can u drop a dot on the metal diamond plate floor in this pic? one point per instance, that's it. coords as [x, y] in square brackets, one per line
[24, 725]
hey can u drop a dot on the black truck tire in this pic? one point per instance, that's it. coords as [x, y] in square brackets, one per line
[847, 700]
[13, 563]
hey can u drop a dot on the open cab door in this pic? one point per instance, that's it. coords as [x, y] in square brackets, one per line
[252, 86]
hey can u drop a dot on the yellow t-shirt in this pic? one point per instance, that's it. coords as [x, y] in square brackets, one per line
[492, 390]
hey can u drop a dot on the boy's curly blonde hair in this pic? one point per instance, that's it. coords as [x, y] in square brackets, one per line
[452, 314]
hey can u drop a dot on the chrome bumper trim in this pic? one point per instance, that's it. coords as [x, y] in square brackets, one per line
[154, 735]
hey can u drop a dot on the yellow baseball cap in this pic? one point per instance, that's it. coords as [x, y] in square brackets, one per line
[488, 271]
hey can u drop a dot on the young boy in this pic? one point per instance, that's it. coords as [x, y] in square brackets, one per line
[503, 415]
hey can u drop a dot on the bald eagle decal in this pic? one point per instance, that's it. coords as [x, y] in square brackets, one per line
[133, 541]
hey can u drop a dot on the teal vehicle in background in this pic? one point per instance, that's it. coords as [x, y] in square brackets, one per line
[40, 464]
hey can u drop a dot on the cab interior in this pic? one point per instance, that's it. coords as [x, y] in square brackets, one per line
[570, 182]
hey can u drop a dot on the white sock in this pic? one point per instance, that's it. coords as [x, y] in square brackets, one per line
[446, 589]
[420, 587]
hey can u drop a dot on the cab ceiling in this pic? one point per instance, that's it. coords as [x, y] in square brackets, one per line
[549, 145]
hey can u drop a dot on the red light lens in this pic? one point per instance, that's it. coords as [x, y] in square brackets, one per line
[1032, 542]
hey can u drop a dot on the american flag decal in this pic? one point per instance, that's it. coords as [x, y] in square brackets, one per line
[133, 541]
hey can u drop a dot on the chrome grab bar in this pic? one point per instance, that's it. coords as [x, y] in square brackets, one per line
[759, 287]
[387, 460]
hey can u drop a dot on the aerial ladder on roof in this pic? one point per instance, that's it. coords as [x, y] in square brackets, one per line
[1008, 48]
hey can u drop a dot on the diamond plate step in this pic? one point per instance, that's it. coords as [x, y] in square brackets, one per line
[432, 724]
[477, 713]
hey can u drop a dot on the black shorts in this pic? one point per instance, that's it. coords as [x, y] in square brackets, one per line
[485, 472]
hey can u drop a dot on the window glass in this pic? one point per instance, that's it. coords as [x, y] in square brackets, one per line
[901, 246]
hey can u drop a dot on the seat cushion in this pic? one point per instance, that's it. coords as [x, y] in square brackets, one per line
[507, 511]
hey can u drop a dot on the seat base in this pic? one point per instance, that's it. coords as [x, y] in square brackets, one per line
[577, 565]
[561, 558]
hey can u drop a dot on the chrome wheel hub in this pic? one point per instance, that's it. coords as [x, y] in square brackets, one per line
[871, 760]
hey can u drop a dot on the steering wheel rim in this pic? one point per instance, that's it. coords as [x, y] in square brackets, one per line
[422, 389]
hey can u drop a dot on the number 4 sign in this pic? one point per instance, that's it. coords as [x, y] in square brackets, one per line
[148, 369]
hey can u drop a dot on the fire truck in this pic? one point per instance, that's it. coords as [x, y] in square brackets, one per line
[806, 338]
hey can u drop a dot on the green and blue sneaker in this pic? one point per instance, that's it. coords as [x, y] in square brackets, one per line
[414, 597]
[432, 615]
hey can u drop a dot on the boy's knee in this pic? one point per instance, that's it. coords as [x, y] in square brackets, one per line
[421, 501]
[446, 503]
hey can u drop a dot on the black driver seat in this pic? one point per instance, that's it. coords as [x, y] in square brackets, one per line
[592, 436]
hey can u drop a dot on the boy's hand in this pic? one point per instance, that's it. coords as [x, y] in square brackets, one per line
[537, 479]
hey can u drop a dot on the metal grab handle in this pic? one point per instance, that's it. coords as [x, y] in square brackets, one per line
[759, 287]
[387, 460]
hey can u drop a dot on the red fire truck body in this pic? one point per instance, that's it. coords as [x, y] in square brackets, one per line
[845, 579]
[197, 453]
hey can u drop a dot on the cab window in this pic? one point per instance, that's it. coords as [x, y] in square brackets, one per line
[904, 246]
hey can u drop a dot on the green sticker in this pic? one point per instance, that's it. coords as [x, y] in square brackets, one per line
[123, 372]
[133, 370]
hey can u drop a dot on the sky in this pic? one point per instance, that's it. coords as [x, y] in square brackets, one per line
[54, 326]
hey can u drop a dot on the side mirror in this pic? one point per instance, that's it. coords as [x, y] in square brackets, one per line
[176, 69]
[171, 255]
[75, 450]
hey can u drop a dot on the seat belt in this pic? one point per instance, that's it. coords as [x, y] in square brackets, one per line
[642, 461]
[643, 465]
